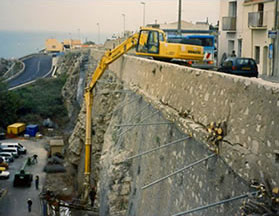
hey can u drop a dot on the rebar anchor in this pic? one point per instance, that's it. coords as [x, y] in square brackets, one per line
[216, 131]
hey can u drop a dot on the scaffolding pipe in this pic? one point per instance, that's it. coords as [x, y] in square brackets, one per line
[217, 203]
[137, 114]
[144, 124]
[147, 117]
[125, 104]
[157, 148]
[178, 171]
[116, 91]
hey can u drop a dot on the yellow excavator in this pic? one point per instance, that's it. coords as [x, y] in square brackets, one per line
[150, 42]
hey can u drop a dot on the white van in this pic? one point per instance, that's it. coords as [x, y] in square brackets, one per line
[21, 149]
[12, 150]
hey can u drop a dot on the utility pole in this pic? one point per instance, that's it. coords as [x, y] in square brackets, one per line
[124, 25]
[275, 61]
[179, 17]
[98, 25]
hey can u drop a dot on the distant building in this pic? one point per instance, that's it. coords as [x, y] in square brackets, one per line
[76, 44]
[186, 25]
[52, 45]
[249, 27]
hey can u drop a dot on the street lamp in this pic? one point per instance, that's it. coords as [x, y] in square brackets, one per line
[179, 18]
[143, 3]
[124, 24]
[98, 25]
[79, 34]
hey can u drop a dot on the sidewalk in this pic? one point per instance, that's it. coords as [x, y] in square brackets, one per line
[269, 78]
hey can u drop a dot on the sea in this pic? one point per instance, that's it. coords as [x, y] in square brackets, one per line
[16, 44]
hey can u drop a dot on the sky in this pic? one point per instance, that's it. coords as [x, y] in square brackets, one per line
[80, 16]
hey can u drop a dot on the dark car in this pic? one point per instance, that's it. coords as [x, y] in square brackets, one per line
[240, 66]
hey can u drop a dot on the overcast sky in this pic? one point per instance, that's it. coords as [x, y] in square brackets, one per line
[83, 15]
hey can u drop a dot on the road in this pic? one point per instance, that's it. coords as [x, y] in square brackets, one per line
[14, 203]
[35, 67]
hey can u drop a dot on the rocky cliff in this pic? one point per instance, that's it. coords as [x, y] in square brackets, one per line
[145, 105]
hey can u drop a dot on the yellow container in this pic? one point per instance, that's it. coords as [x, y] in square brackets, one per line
[16, 128]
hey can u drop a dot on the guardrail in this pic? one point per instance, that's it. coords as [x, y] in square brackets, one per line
[17, 74]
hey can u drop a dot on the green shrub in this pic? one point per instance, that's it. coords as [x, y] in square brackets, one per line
[32, 103]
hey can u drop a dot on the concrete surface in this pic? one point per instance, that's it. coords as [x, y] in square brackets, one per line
[249, 106]
[14, 203]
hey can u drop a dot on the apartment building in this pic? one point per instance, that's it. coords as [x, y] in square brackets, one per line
[250, 28]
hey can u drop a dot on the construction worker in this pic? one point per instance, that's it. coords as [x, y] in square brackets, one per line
[37, 182]
[29, 203]
[35, 160]
[92, 195]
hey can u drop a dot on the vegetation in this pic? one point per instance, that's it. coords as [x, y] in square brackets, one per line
[9, 104]
[89, 43]
[4, 66]
[33, 103]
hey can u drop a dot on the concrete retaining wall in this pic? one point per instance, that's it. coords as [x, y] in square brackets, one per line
[249, 106]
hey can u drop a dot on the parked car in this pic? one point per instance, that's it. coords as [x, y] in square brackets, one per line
[2, 136]
[21, 149]
[4, 159]
[12, 150]
[4, 174]
[7, 155]
[240, 66]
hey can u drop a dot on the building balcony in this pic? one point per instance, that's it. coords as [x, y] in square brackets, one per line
[257, 20]
[229, 23]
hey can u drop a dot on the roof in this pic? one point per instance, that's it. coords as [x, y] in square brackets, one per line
[185, 26]
[32, 126]
[56, 142]
[17, 125]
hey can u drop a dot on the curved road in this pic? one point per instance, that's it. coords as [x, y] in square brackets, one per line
[35, 67]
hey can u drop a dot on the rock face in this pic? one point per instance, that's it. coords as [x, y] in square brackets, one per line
[126, 124]
[121, 180]
[106, 96]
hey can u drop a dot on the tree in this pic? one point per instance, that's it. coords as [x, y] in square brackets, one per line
[9, 104]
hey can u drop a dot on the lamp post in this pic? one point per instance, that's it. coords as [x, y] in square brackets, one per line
[79, 34]
[179, 18]
[143, 3]
[98, 25]
[123, 24]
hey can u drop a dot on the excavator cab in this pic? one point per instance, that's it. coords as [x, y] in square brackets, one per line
[148, 42]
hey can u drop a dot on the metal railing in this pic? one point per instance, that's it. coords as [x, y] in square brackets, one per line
[257, 19]
[228, 23]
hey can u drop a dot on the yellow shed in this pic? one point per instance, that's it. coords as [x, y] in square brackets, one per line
[16, 128]
[52, 45]
[56, 145]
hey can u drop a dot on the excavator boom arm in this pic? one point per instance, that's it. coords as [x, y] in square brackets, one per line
[109, 57]
[112, 55]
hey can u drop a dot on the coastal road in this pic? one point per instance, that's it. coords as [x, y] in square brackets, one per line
[36, 67]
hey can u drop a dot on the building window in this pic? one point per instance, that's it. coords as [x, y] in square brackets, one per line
[53, 46]
[239, 51]
[261, 10]
[257, 54]
[233, 9]
[230, 47]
